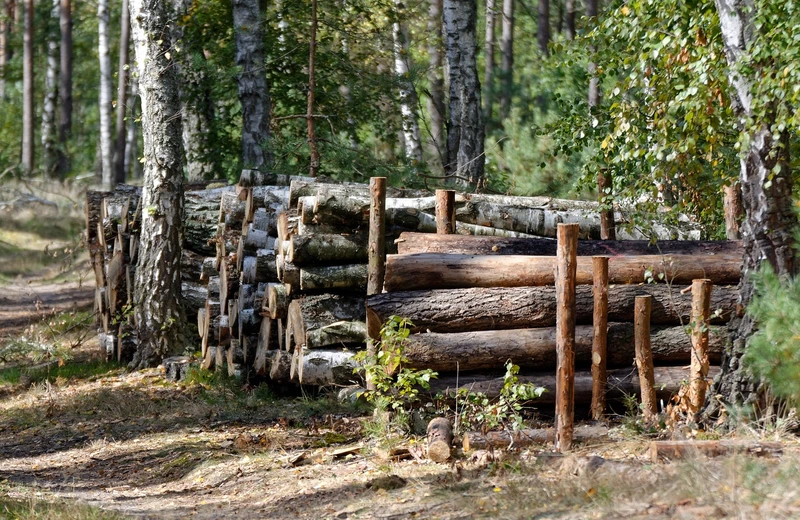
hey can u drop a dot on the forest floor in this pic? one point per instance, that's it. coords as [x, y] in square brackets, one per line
[81, 438]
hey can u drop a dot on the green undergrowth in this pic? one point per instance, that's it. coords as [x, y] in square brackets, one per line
[53, 372]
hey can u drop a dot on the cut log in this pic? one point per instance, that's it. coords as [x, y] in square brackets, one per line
[644, 357]
[201, 217]
[193, 296]
[319, 321]
[231, 211]
[277, 300]
[315, 250]
[250, 178]
[526, 437]
[463, 310]
[622, 382]
[442, 271]
[352, 278]
[176, 368]
[409, 243]
[300, 188]
[440, 439]
[677, 450]
[265, 342]
[280, 365]
[326, 367]
[260, 268]
[209, 358]
[536, 348]
[249, 321]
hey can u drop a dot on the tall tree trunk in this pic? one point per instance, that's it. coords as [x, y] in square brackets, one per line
[122, 93]
[252, 80]
[488, 69]
[408, 94]
[436, 105]
[570, 19]
[465, 131]
[104, 108]
[5, 44]
[312, 86]
[543, 24]
[49, 136]
[507, 65]
[132, 164]
[594, 81]
[65, 88]
[27, 90]
[766, 194]
[158, 312]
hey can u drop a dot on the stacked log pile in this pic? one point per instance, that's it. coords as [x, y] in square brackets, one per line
[477, 302]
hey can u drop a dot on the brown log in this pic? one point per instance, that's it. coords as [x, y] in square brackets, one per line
[599, 336]
[377, 236]
[324, 320]
[536, 348]
[315, 250]
[445, 212]
[409, 242]
[644, 357]
[734, 210]
[677, 450]
[622, 382]
[701, 309]
[265, 343]
[527, 437]
[440, 439]
[209, 358]
[566, 267]
[441, 271]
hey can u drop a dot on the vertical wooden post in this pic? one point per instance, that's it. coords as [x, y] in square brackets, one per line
[701, 309]
[734, 210]
[445, 212]
[566, 267]
[644, 355]
[600, 335]
[376, 268]
[604, 186]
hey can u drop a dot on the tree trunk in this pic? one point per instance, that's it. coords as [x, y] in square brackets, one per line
[27, 90]
[483, 245]
[436, 104]
[507, 64]
[159, 314]
[407, 92]
[104, 105]
[320, 321]
[252, 81]
[488, 69]
[437, 271]
[732, 205]
[536, 348]
[122, 93]
[769, 223]
[465, 131]
[49, 137]
[132, 164]
[543, 32]
[65, 88]
[594, 81]
[462, 310]
[314, 158]
[5, 45]
[570, 19]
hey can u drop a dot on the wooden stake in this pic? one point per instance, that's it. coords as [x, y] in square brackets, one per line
[445, 212]
[376, 248]
[604, 186]
[644, 355]
[734, 210]
[566, 267]
[600, 336]
[701, 310]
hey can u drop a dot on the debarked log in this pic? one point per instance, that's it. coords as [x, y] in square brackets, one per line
[536, 348]
[443, 271]
[484, 308]
[622, 382]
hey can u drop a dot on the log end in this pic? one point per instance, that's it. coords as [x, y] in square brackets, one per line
[439, 451]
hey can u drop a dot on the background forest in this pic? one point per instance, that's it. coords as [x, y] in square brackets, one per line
[659, 121]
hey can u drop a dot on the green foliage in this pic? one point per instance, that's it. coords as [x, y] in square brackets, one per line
[479, 411]
[396, 386]
[773, 352]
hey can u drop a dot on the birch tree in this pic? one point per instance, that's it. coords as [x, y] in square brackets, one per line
[488, 67]
[507, 63]
[122, 93]
[27, 89]
[49, 134]
[65, 86]
[104, 106]
[436, 105]
[465, 130]
[159, 312]
[407, 93]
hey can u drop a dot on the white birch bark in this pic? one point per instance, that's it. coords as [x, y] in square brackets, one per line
[488, 68]
[507, 63]
[408, 96]
[436, 104]
[104, 56]
[50, 159]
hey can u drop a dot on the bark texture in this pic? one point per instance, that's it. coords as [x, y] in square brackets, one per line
[507, 62]
[65, 87]
[49, 136]
[408, 95]
[159, 314]
[436, 104]
[104, 106]
[120, 128]
[27, 89]
[465, 131]
[252, 81]
[766, 195]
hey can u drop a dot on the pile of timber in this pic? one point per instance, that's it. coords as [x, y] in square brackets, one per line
[477, 302]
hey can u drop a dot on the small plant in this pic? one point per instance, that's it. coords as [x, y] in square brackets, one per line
[396, 386]
[478, 410]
